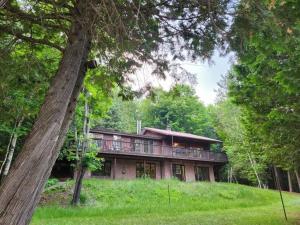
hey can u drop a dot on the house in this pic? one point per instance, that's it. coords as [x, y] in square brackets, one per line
[157, 154]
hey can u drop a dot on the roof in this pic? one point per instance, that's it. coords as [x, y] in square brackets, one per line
[180, 134]
[114, 132]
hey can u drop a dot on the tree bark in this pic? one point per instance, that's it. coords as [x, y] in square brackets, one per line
[290, 181]
[21, 189]
[81, 168]
[7, 149]
[12, 148]
[297, 178]
[78, 185]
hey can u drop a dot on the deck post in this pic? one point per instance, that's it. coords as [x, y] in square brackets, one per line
[114, 170]
[161, 169]
[144, 164]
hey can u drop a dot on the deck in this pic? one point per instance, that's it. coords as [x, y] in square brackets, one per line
[113, 147]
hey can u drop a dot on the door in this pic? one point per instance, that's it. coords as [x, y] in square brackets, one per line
[178, 171]
[202, 173]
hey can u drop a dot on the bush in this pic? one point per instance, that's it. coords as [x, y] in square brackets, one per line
[51, 182]
[83, 198]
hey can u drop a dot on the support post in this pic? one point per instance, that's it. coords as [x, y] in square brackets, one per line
[161, 169]
[144, 165]
[115, 168]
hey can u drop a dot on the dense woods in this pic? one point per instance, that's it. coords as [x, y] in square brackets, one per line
[65, 67]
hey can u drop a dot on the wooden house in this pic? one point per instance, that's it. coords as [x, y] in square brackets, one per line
[157, 154]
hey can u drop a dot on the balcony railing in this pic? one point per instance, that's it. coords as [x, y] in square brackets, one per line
[147, 148]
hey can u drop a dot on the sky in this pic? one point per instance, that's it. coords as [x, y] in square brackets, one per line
[207, 74]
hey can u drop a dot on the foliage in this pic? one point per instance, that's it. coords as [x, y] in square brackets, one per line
[127, 202]
[25, 76]
[265, 81]
[239, 143]
[178, 108]
[51, 182]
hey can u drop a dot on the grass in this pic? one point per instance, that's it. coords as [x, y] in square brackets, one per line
[147, 202]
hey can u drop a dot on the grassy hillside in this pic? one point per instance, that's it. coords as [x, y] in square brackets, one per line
[147, 202]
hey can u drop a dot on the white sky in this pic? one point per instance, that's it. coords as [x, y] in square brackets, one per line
[208, 75]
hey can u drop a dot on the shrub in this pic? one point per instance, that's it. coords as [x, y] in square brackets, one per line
[51, 182]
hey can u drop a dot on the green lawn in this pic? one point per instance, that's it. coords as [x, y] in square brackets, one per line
[147, 202]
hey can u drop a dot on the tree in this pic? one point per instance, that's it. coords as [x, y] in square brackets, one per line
[121, 39]
[240, 143]
[265, 81]
[180, 109]
[24, 78]
[93, 103]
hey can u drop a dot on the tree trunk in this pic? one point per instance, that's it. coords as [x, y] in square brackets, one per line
[12, 149]
[21, 189]
[253, 163]
[297, 178]
[7, 149]
[81, 168]
[78, 185]
[290, 181]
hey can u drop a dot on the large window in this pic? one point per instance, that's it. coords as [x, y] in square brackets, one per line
[138, 145]
[178, 171]
[202, 173]
[104, 171]
[148, 171]
[116, 143]
[148, 146]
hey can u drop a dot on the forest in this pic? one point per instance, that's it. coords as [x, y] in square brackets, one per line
[65, 67]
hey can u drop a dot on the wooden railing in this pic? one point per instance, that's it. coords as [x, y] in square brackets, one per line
[150, 149]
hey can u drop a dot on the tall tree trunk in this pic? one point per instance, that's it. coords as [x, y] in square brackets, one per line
[12, 148]
[7, 149]
[253, 165]
[81, 168]
[21, 189]
[290, 181]
[297, 178]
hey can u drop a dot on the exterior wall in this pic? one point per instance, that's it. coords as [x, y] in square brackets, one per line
[126, 169]
[189, 169]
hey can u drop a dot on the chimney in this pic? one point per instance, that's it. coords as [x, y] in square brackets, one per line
[169, 127]
[138, 126]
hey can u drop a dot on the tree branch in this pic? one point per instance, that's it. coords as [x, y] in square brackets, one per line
[19, 34]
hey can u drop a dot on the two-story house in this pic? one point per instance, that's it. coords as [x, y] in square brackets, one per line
[157, 154]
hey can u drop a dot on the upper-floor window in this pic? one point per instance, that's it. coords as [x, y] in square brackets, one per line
[138, 145]
[98, 142]
[116, 143]
[148, 146]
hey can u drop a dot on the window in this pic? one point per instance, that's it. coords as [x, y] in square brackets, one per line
[104, 171]
[98, 142]
[139, 169]
[202, 173]
[148, 146]
[138, 145]
[178, 171]
[149, 170]
[116, 143]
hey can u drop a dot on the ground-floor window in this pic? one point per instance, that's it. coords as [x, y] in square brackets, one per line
[202, 173]
[105, 169]
[178, 171]
[148, 171]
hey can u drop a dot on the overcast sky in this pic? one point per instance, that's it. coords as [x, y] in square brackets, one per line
[208, 75]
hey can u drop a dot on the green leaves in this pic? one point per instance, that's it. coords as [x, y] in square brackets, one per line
[266, 80]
